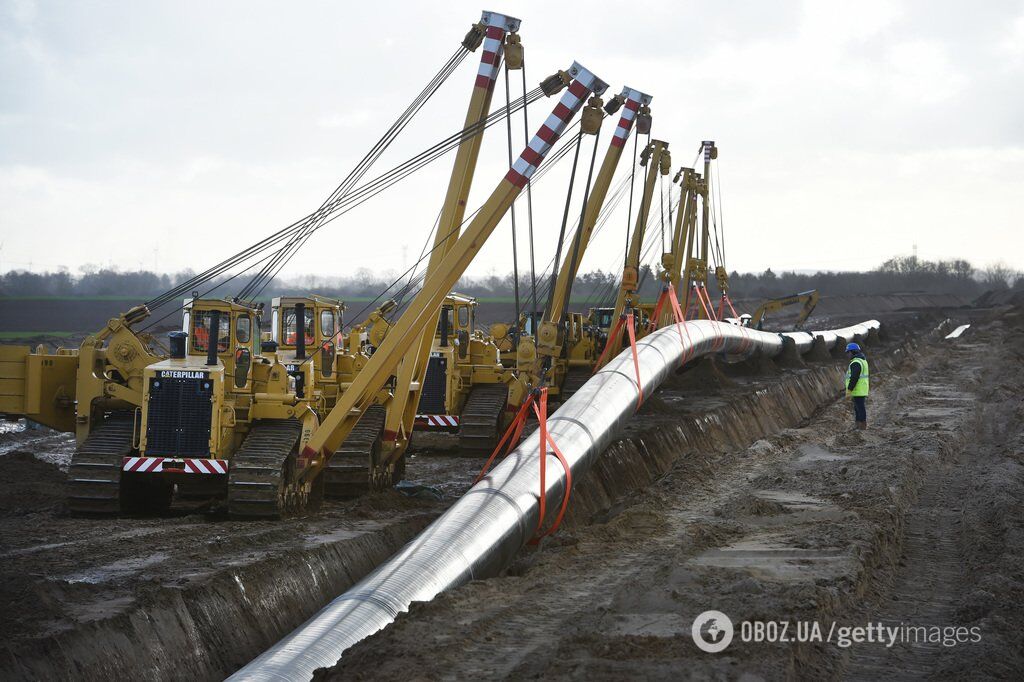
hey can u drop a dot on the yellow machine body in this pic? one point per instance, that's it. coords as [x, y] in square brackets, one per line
[71, 389]
[461, 359]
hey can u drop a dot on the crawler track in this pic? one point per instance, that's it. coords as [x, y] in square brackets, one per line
[94, 476]
[348, 471]
[480, 424]
[574, 380]
[258, 482]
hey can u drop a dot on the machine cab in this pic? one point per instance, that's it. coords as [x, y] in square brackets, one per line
[187, 397]
[233, 327]
[602, 318]
[455, 323]
[318, 318]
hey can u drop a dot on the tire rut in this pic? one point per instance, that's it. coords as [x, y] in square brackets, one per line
[932, 572]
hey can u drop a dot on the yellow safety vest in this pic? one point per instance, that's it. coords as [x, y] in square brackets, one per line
[861, 387]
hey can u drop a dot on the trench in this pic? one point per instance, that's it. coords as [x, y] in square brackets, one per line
[206, 630]
[210, 629]
[657, 441]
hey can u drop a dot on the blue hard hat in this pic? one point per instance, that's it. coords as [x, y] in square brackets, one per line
[851, 347]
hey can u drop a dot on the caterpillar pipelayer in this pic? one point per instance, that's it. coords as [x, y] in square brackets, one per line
[219, 413]
[321, 365]
[466, 387]
[567, 346]
[201, 419]
[410, 330]
[568, 343]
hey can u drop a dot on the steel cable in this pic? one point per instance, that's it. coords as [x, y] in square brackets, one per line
[346, 203]
[349, 201]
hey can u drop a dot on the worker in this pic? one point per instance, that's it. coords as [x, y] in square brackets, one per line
[857, 384]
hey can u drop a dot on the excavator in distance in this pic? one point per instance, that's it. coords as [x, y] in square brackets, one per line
[808, 299]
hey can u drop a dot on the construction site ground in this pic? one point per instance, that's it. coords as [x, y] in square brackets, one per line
[915, 521]
[740, 489]
[191, 594]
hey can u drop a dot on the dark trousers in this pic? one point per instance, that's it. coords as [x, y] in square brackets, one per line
[860, 408]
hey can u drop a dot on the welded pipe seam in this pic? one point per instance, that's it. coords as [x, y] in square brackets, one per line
[802, 340]
[479, 534]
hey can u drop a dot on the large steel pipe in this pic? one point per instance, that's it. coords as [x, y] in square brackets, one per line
[480, 533]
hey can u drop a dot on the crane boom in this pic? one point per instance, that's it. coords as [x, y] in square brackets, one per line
[658, 161]
[401, 411]
[697, 263]
[682, 234]
[672, 261]
[550, 334]
[422, 312]
[633, 100]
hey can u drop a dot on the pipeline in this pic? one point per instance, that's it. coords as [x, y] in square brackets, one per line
[479, 535]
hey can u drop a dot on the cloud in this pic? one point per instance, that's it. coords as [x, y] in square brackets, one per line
[350, 119]
[1011, 46]
[922, 72]
[896, 119]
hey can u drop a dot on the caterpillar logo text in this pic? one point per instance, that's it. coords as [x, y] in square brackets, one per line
[181, 374]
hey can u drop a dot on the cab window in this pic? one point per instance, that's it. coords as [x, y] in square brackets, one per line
[290, 327]
[201, 331]
[327, 323]
[243, 329]
[463, 316]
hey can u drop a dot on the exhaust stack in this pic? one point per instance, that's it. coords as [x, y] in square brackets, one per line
[300, 331]
[213, 342]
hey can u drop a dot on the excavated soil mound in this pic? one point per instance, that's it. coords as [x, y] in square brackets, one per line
[29, 485]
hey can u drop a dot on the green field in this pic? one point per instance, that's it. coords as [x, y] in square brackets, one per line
[10, 336]
[69, 298]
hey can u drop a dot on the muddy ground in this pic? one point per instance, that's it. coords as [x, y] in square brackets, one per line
[195, 595]
[90, 597]
[915, 522]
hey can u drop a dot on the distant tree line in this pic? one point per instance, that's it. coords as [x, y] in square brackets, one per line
[900, 274]
[897, 275]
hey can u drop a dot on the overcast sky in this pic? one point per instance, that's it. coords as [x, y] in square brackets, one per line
[172, 134]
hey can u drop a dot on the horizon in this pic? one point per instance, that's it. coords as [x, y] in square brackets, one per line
[87, 269]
